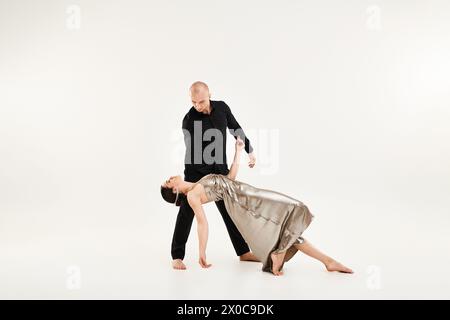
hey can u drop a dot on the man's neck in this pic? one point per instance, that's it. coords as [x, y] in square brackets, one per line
[208, 110]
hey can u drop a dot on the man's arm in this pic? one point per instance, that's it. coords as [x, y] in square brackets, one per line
[235, 126]
[237, 130]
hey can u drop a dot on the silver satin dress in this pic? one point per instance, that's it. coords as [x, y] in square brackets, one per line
[269, 221]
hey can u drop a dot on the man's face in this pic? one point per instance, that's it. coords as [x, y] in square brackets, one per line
[201, 101]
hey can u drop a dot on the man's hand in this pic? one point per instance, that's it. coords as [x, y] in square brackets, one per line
[252, 160]
[202, 261]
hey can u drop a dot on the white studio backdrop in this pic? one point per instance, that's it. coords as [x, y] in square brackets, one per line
[346, 103]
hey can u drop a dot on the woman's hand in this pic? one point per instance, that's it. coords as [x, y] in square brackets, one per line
[202, 261]
[239, 144]
[251, 160]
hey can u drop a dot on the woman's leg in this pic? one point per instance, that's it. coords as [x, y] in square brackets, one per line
[332, 265]
[277, 262]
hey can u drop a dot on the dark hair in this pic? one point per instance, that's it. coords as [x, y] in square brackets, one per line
[169, 196]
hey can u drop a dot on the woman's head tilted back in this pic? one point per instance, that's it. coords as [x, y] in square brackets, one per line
[170, 190]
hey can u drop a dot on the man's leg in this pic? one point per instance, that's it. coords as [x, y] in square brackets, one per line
[181, 233]
[239, 244]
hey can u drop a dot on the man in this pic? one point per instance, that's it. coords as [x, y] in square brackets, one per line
[210, 117]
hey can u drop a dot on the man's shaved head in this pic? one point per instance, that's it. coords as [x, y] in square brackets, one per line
[198, 87]
[200, 96]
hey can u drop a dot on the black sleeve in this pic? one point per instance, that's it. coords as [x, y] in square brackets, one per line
[184, 124]
[186, 128]
[236, 127]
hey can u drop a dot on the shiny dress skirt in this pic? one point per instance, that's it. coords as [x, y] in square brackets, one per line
[269, 221]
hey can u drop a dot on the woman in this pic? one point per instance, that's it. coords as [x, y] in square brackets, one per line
[270, 222]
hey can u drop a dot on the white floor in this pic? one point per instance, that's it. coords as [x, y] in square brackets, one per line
[392, 260]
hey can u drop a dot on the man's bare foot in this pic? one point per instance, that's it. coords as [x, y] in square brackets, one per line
[277, 262]
[248, 257]
[334, 265]
[178, 264]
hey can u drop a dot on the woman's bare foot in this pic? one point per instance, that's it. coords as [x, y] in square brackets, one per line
[248, 257]
[178, 264]
[277, 262]
[334, 265]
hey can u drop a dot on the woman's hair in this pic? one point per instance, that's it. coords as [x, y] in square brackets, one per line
[171, 197]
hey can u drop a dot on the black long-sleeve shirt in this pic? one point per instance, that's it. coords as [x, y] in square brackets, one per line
[201, 159]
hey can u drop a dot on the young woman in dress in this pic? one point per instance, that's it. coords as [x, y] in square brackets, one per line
[270, 222]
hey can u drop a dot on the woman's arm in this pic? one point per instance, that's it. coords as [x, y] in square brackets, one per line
[237, 157]
[193, 197]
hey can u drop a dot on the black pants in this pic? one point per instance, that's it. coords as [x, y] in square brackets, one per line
[183, 227]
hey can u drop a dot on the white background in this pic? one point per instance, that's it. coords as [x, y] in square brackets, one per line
[347, 104]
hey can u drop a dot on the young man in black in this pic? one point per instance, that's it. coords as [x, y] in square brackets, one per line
[204, 126]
